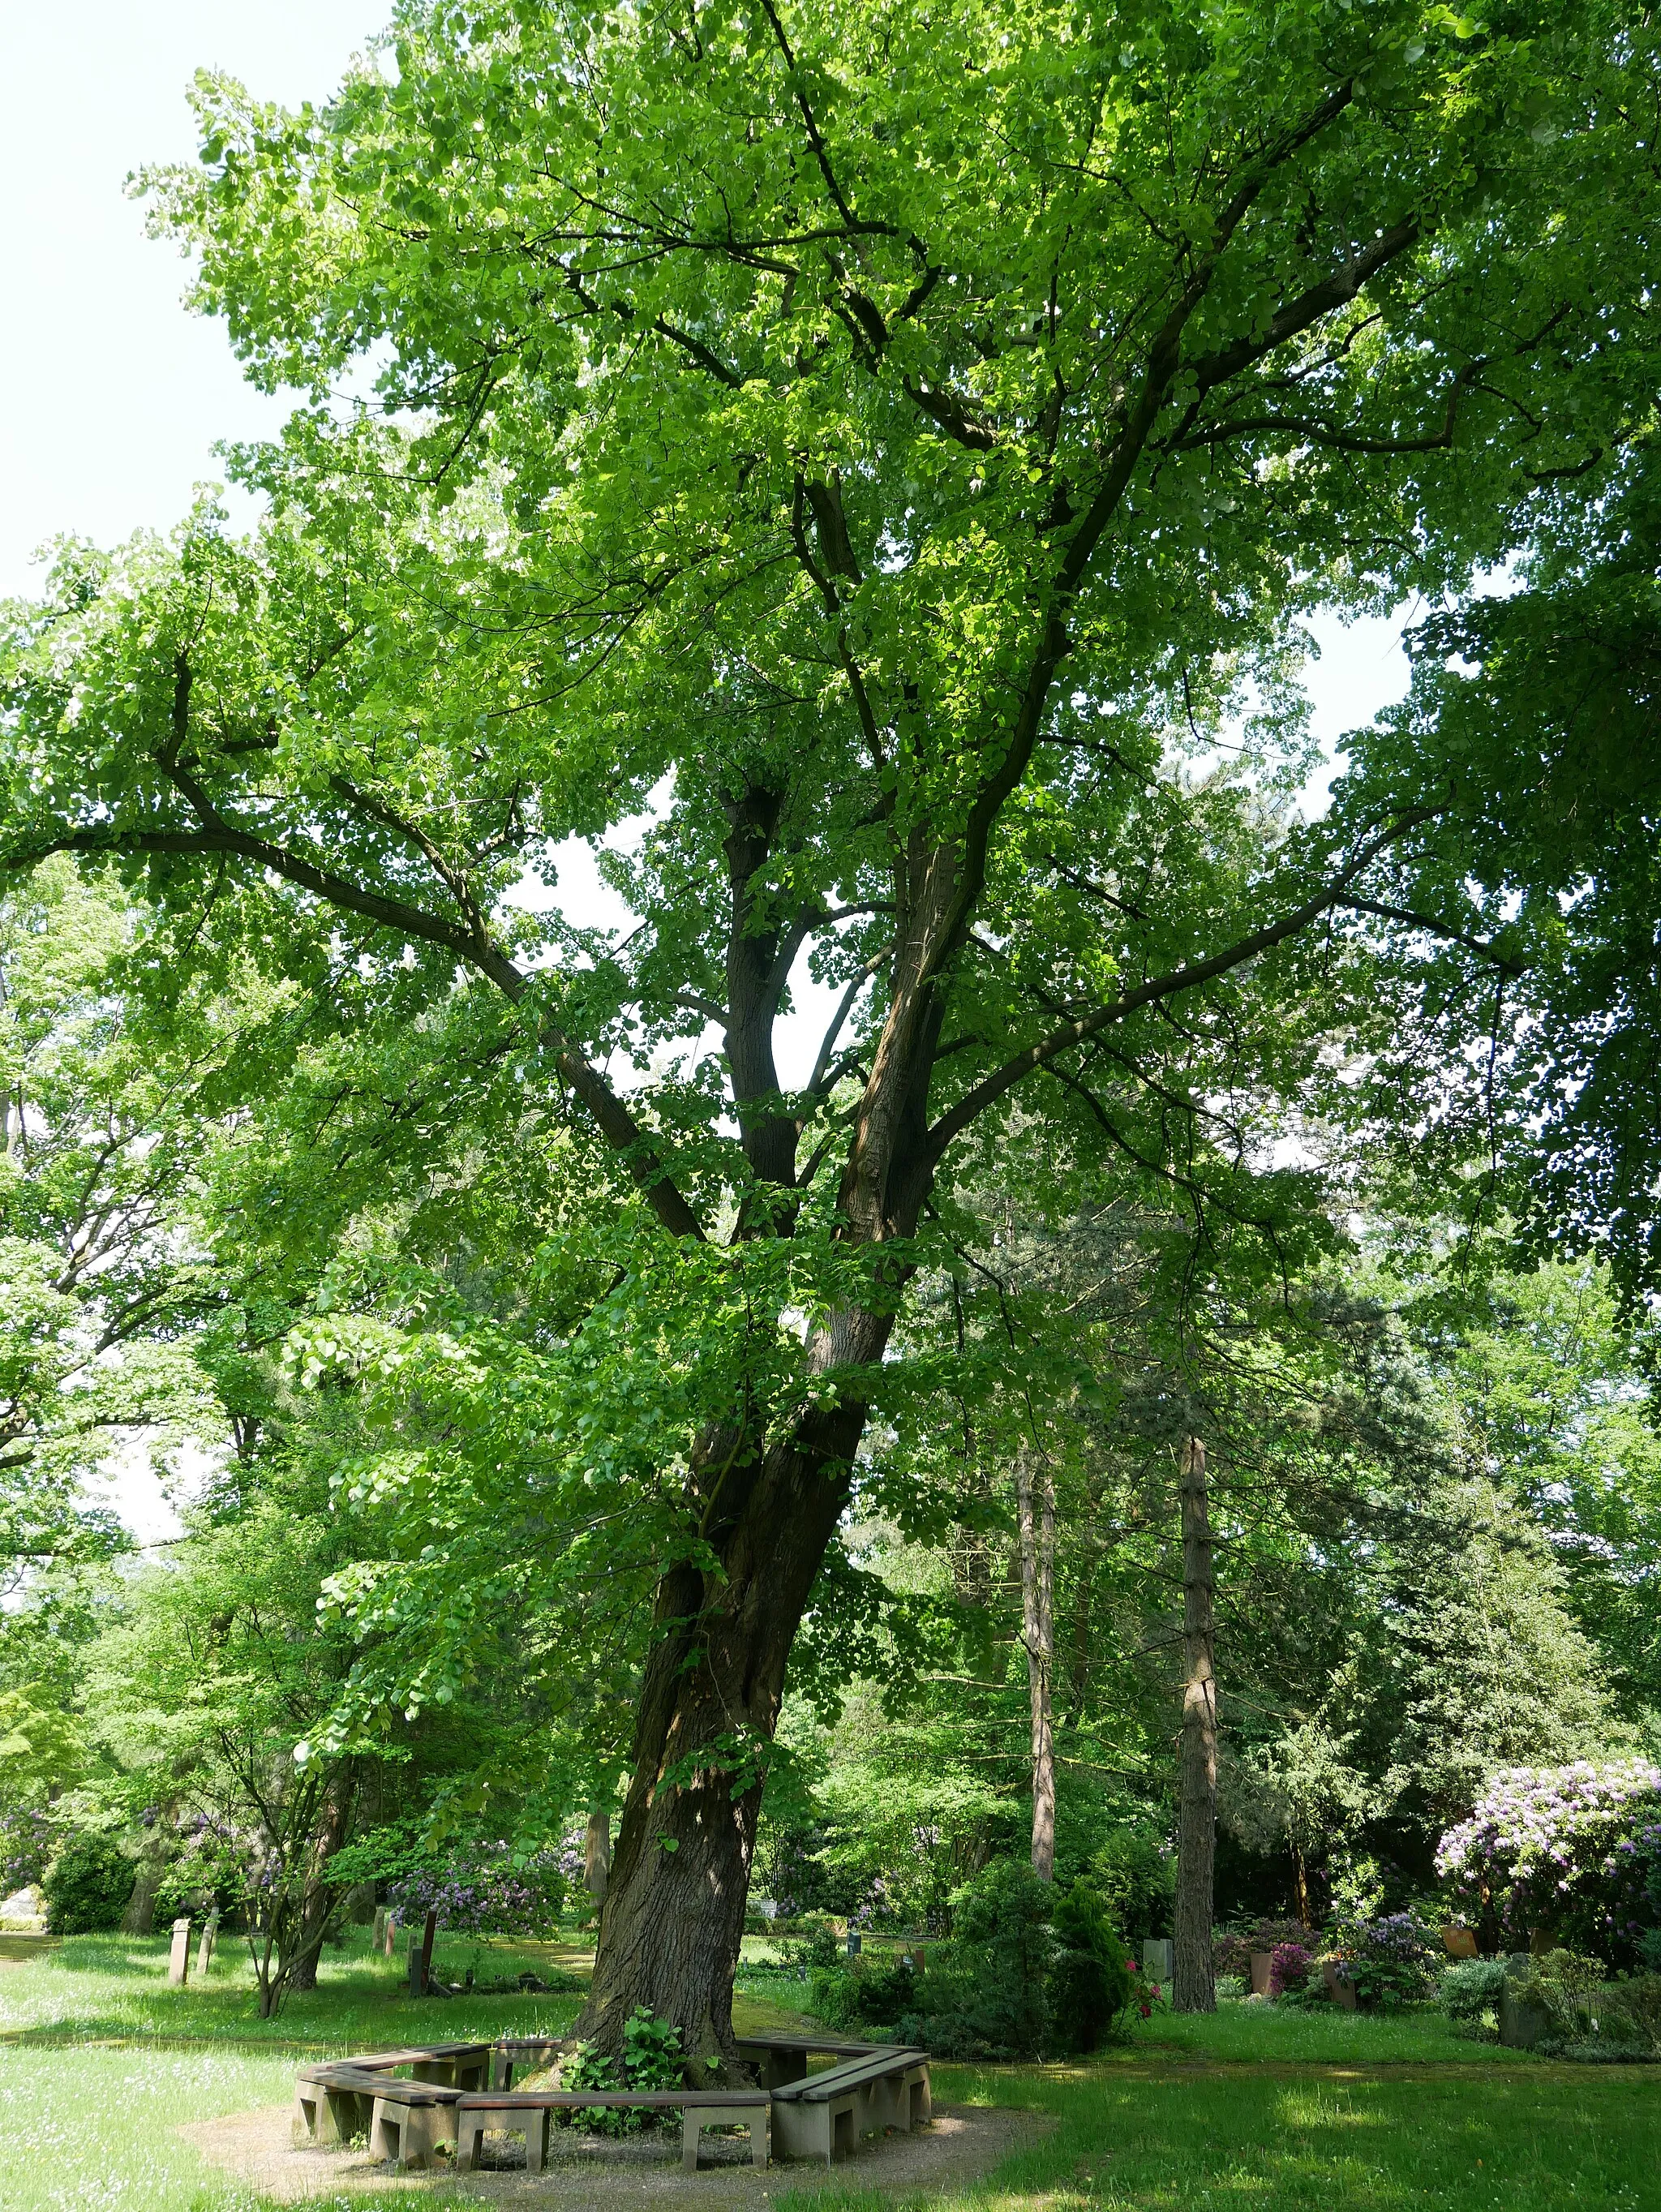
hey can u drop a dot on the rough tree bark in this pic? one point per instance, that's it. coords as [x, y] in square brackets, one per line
[673, 1913]
[321, 1901]
[596, 1856]
[1038, 1594]
[1194, 1987]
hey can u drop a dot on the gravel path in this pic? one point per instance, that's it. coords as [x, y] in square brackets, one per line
[964, 2141]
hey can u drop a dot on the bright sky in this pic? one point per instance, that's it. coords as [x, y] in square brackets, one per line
[112, 397]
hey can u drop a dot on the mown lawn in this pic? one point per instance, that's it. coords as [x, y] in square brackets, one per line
[100, 2063]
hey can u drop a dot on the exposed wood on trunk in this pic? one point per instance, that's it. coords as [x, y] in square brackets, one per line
[1035, 1496]
[1195, 1981]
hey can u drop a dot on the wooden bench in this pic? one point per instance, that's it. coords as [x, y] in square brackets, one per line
[529, 2111]
[782, 2058]
[510, 2052]
[823, 2115]
[803, 2115]
[404, 2121]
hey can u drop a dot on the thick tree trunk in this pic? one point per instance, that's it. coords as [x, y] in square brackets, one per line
[674, 1912]
[1195, 1981]
[1038, 1595]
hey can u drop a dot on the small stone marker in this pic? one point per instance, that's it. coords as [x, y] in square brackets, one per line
[1159, 1958]
[389, 1937]
[178, 1962]
[377, 1936]
[854, 1941]
[204, 1949]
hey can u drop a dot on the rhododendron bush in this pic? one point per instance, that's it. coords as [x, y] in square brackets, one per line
[1562, 1850]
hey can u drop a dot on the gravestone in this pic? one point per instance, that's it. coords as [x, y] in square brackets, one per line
[1159, 1958]
[178, 1961]
[204, 1949]
[1521, 2026]
[854, 1941]
[1459, 1942]
[389, 1940]
[377, 1937]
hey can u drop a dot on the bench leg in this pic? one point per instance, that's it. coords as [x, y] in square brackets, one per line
[305, 2115]
[418, 2139]
[385, 2131]
[470, 2137]
[920, 2098]
[536, 2125]
[843, 2132]
[337, 2116]
[692, 2134]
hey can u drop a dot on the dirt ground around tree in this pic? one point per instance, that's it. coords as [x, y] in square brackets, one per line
[964, 2142]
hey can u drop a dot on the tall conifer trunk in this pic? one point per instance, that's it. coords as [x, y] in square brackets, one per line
[1037, 1580]
[1195, 1988]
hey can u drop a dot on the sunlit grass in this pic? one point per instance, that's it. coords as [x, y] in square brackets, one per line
[110, 1988]
[1541, 2141]
[101, 2062]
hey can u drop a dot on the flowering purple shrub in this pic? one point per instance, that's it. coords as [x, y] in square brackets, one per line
[1562, 1850]
[26, 1842]
[484, 1892]
[1388, 1961]
[1290, 1968]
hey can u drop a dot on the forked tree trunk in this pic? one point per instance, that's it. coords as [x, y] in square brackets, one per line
[1194, 1987]
[1038, 1604]
[673, 1913]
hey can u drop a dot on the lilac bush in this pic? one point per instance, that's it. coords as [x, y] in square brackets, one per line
[27, 1840]
[1562, 1850]
[487, 1891]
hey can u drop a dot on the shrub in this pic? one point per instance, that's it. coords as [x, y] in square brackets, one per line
[1231, 1947]
[1090, 1980]
[1472, 1987]
[1389, 1960]
[982, 1995]
[1562, 1849]
[25, 1846]
[861, 1994]
[1290, 1965]
[1134, 1875]
[651, 2059]
[87, 1886]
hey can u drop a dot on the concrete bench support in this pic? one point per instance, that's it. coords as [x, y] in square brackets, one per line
[751, 2112]
[478, 2120]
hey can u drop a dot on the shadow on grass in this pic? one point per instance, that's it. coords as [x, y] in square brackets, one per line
[1527, 2142]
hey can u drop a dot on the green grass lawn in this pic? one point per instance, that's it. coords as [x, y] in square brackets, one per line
[1258, 2107]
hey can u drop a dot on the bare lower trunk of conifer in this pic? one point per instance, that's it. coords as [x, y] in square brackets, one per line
[673, 1913]
[1195, 1983]
[1037, 1520]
